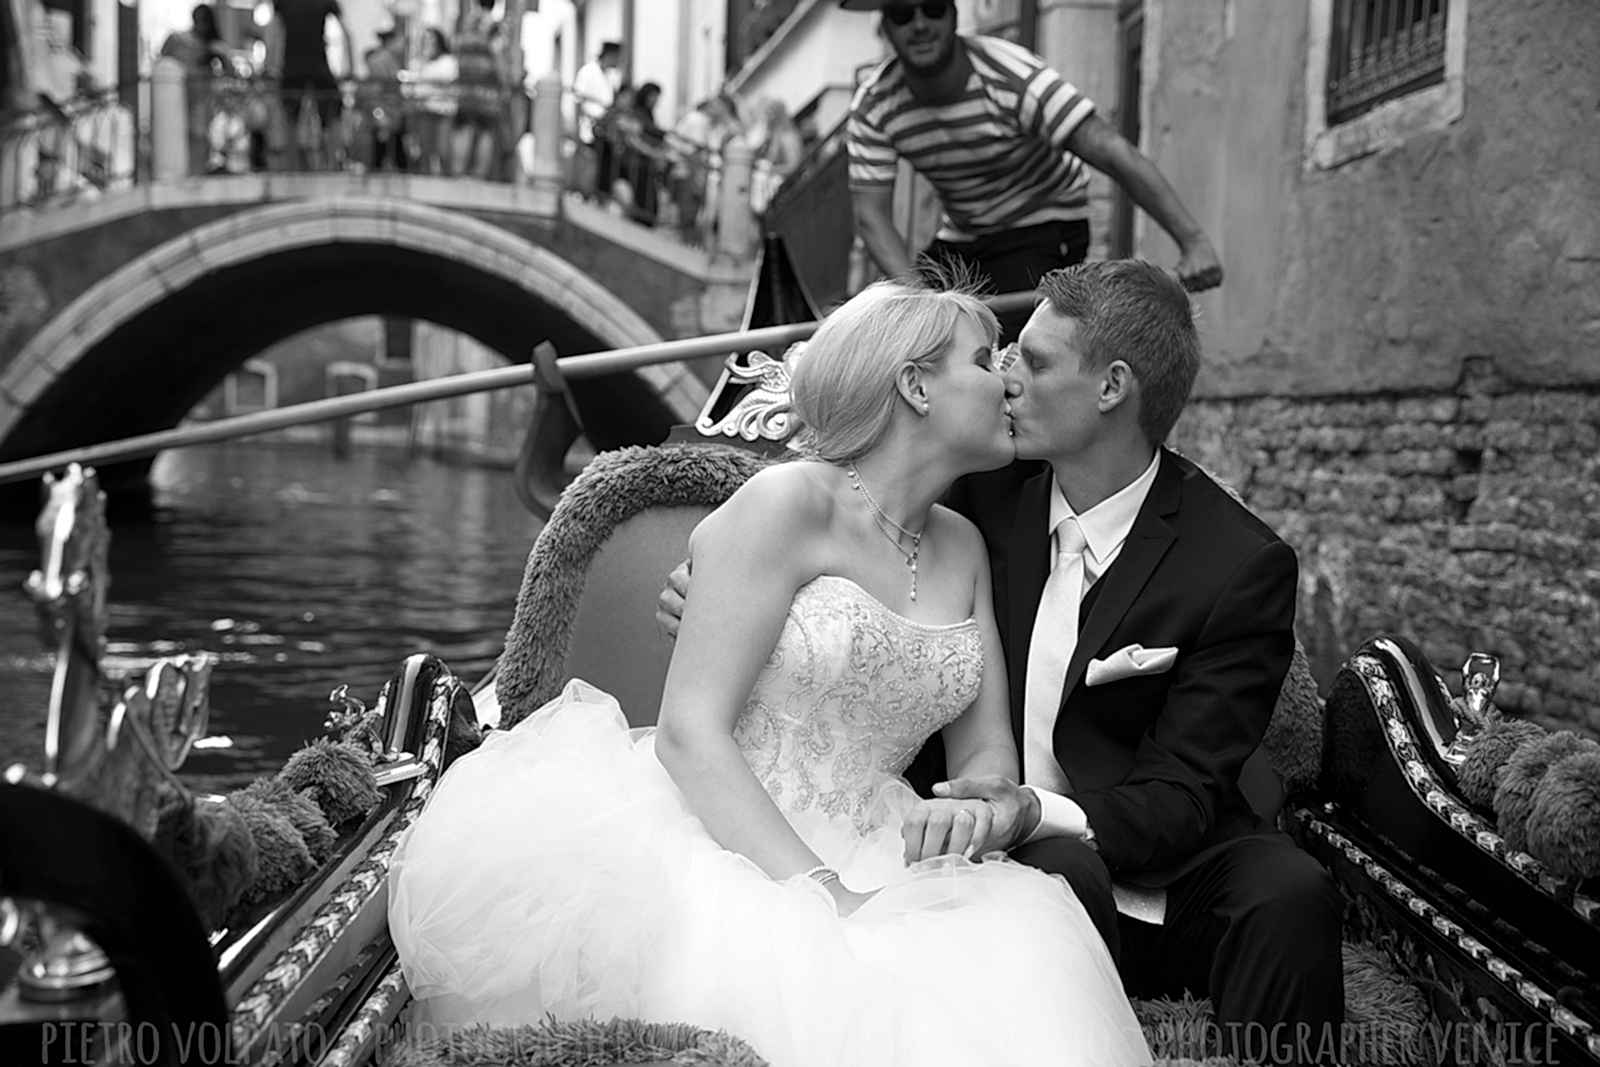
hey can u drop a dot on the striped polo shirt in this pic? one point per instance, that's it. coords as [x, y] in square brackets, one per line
[997, 155]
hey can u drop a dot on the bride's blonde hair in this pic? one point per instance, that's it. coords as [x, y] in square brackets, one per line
[842, 387]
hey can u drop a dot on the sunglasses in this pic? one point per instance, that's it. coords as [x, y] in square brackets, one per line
[902, 14]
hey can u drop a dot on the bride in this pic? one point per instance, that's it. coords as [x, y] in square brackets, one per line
[741, 867]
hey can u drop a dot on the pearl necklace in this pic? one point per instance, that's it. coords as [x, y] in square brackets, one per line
[882, 521]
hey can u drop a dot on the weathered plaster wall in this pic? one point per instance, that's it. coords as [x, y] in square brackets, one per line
[1079, 39]
[1384, 273]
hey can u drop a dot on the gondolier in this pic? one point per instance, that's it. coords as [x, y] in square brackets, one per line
[1006, 143]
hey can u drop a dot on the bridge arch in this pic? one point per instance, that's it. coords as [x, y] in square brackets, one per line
[137, 350]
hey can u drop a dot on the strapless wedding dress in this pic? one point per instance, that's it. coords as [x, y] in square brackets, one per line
[558, 871]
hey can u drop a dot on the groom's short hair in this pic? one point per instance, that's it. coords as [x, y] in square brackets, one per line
[1134, 311]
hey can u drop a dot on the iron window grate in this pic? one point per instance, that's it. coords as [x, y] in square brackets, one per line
[1383, 49]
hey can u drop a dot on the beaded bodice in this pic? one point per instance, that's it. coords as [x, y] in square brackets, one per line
[849, 695]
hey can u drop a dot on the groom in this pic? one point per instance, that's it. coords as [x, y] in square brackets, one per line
[1147, 620]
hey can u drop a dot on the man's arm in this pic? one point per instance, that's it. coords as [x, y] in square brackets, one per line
[1096, 143]
[873, 170]
[1215, 715]
[874, 208]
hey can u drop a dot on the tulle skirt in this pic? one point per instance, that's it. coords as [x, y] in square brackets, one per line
[558, 871]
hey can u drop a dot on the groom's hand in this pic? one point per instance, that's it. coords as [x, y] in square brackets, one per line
[947, 828]
[669, 605]
[1016, 810]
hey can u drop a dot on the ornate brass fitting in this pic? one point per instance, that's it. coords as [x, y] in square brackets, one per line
[1480, 677]
[349, 721]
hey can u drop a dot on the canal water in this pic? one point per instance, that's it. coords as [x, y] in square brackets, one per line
[301, 572]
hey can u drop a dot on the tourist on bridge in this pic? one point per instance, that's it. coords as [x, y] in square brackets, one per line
[1006, 143]
[306, 81]
[612, 134]
[644, 157]
[697, 142]
[385, 108]
[595, 87]
[776, 149]
[481, 100]
[204, 56]
[433, 116]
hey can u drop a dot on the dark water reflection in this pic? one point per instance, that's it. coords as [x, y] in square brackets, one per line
[301, 572]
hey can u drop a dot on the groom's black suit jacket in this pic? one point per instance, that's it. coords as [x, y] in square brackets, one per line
[1154, 760]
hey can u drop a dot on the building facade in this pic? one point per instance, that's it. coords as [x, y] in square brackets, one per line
[1401, 368]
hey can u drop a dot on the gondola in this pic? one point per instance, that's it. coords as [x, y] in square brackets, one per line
[141, 922]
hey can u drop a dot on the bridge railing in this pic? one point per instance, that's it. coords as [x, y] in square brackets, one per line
[200, 125]
[89, 145]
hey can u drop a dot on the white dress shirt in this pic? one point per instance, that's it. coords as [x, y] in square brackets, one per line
[1105, 527]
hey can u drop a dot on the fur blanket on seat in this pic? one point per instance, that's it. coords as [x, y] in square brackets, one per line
[613, 488]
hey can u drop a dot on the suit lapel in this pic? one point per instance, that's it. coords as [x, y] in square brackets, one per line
[1027, 568]
[1147, 543]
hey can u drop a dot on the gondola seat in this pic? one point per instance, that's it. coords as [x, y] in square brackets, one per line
[587, 609]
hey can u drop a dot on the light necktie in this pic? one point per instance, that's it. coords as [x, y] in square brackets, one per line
[1055, 635]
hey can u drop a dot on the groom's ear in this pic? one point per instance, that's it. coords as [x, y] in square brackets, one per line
[1118, 386]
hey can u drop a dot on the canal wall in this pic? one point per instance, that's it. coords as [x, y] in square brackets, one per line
[1464, 519]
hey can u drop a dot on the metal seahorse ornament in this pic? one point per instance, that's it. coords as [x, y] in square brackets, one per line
[69, 595]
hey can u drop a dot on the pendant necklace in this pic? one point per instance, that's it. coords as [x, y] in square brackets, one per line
[883, 522]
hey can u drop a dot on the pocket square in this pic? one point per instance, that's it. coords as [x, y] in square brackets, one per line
[1128, 662]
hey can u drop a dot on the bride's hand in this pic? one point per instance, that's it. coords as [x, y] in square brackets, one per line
[947, 827]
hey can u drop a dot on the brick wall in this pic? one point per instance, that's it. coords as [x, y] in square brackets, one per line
[1464, 520]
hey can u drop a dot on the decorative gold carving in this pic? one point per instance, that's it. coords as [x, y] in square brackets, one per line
[762, 412]
[148, 736]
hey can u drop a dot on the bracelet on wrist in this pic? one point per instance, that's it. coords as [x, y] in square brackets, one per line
[822, 874]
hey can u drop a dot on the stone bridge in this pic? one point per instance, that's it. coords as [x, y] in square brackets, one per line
[119, 313]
